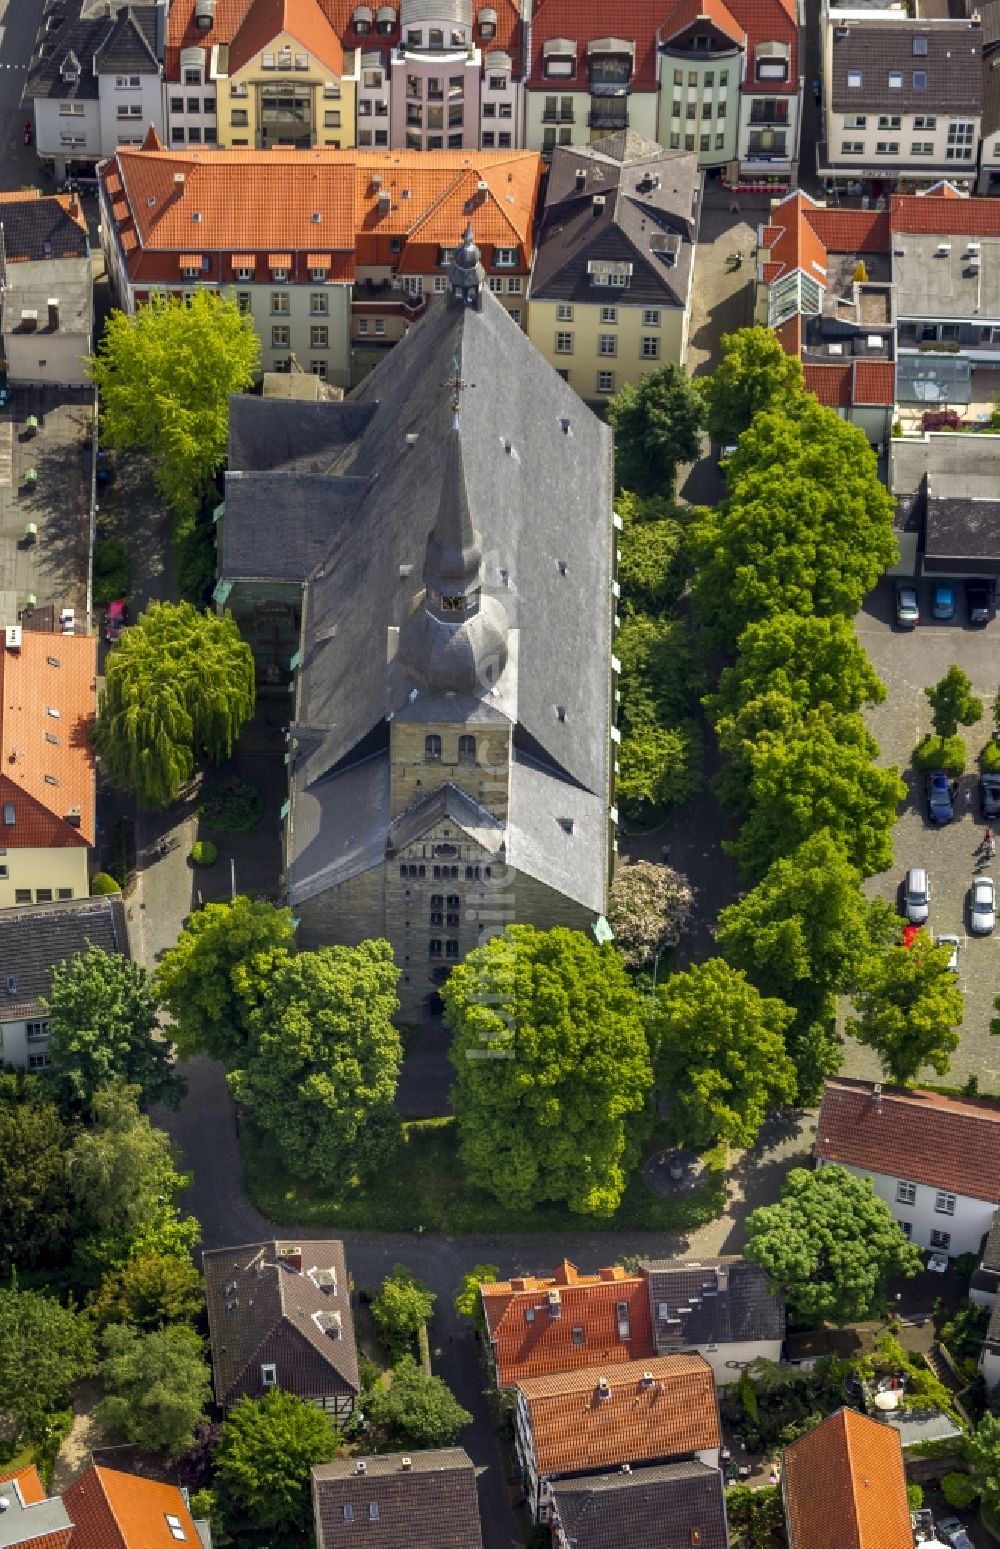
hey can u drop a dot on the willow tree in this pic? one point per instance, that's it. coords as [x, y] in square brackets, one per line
[179, 688]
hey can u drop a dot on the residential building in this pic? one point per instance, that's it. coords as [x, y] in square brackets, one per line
[664, 1507]
[989, 1360]
[33, 940]
[333, 254]
[46, 288]
[984, 1287]
[989, 147]
[843, 1485]
[934, 1160]
[597, 1418]
[426, 1501]
[31, 1519]
[279, 1316]
[47, 788]
[95, 79]
[722, 1309]
[123, 1511]
[947, 518]
[451, 746]
[610, 292]
[824, 286]
[902, 95]
[536, 1325]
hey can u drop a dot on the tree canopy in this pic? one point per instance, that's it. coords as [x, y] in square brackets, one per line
[218, 973]
[983, 1452]
[156, 1386]
[754, 377]
[829, 1245]
[35, 1215]
[414, 1410]
[553, 1069]
[179, 688]
[401, 1308]
[649, 909]
[44, 1349]
[264, 1457]
[909, 1008]
[654, 564]
[660, 753]
[321, 1067]
[103, 1013]
[164, 376]
[809, 660]
[657, 424]
[953, 704]
[807, 527]
[720, 1053]
[148, 1291]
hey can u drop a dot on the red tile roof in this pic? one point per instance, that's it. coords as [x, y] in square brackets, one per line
[47, 703]
[851, 231]
[529, 1341]
[585, 21]
[28, 1482]
[946, 1142]
[830, 383]
[845, 1488]
[769, 21]
[302, 20]
[875, 382]
[32, 1492]
[687, 12]
[945, 214]
[112, 1510]
[662, 1407]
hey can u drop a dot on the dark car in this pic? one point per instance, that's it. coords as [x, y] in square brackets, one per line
[940, 797]
[943, 600]
[907, 605]
[979, 601]
[989, 795]
[114, 621]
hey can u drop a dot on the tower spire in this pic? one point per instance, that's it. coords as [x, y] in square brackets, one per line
[454, 547]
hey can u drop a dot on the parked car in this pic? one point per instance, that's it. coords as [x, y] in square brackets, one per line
[979, 601]
[956, 946]
[907, 605]
[953, 1533]
[989, 795]
[943, 600]
[917, 895]
[982, 906]
[941, 793]
[115, 620]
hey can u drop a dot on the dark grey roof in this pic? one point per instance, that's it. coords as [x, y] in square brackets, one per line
[341, 824]
[649, 219]
[30, 1524]
[989, 11]
[991, 94]
[313, 510]
[713, 1301]
[34, 938]
[426, 1500]
[963, 529]
[275, 434]
[991, 1252]
[659, 1508]
[127, 46]
[993, 1327]
[875, 46]
[446, 802]
[267, 1306]
[125, 41]
[39, 229]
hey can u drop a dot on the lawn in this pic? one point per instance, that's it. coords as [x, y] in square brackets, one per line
[423, 1190]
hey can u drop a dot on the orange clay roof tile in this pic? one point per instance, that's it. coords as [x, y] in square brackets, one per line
[602, 1317]
[114, 1510]
[302, 20]
[48, 688]
[845, 1488]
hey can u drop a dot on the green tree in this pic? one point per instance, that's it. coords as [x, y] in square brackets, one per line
[810, 661]
[218, 972]
[822, 774]
[35, 1214]
[660, 765]
[321, 1067]
[44, 1349]
[552, 1067]
[802, 934]
[164, 376]
[468, 1301]
[829, 1245]
[959, 1490]
[649, 909]
[149, 1291]
[909, 1009]
[401, 1308]
[756, 1517]
[265, 1454]
[653, 566]
[156, 1384]
[414, 1410]
[953, 703]
[659, 680]
[103, 1013]
[982, 1451]
[179, 687]
[720, 1053]
[657, 424]
[754, 377]
[807, 527]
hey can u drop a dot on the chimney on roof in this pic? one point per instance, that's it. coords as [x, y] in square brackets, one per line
[598, 204]
[519, 1284]
[877, 1095]
[603, 1388]
[581, 179]
[406, 1464]
[179, 180]
[73, 817]
[610, 1272]
[361, 1467]
[646, 1381]
[291, 1258]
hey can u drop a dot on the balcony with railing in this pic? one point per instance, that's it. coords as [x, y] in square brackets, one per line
[769, 112]
[608, 115]
[558, 116]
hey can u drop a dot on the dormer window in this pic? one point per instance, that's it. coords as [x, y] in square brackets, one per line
[362, 20]
[319, 275]
[385, 20]
[559, 55]
[772, 61]
[487, 23]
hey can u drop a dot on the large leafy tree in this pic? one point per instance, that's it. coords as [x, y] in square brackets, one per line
[802, 934]
[983, 1452]
[953, 704]
[553, 1069]
[660, 754]
[414, 1410]
[755, 376]
[149, 1291]
[649, 909]
[44, 1349]
[157, 1386]
[264, 1457]
[657, 425]
[218, 972]
[35, 1214]
[807, 527]
[820, 774]
[321, 1067]
[164, 376]
[720, 1053]
[909, 1008]
[829, 1245]
[179, 688]
[103, 1013]
[808, 659]
[653, 565]
[401, 1308]
[659, 764]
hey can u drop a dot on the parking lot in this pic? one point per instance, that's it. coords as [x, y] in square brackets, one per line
[908, 661]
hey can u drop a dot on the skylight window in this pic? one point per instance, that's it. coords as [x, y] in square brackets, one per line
[176, 1528]
[854, 79]
[895, 80]
[920, 45]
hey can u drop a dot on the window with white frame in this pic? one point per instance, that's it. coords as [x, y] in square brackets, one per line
[895, 81]
[564, 344]
[607, 344]
[504, 257]
[317, 275]
[319, 303]
[379, 326]
[852, 147]
[906, 1193]
[609, 314]
[269, 1375]
[889, 121]
[941, 1240]
[514, 285]
[244, 272]
[650, 348]
[605, 381]
[515, 314]
[887, 148]
[71, 109]
[651, 317]
[495, 283]
[319, 337]
[413, 284]
[854, 79]
[37, 1032]
[280, 275]
[243, 301]
[127, 82]
[362, 325]
[944, 1203]
[279, 302]
[921, 147]
[318, 368]
[38, 1061]
[440, 284]
[960, 141]
[855, 121]
[279, 337]
[564, 312]
[925, 121]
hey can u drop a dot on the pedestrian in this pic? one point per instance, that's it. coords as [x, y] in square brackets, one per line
[988, 838]
[665, 854]
[734, 207]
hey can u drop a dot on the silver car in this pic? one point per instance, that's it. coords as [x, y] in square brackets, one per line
[917, 895]
[982, 906]
[954, 946]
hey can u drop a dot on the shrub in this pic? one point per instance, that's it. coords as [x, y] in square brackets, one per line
[989, 759]
[935, 752]
[959, 1490]
[914, 1496]
[110, 571]
[204, 853]
[101, 884]
[233, 806]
